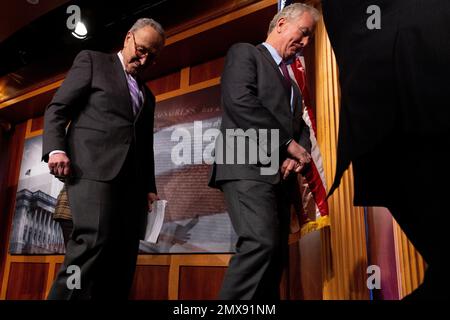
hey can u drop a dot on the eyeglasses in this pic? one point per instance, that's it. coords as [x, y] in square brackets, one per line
[141, 52]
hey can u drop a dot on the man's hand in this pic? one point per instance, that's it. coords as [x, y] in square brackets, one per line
[298, 153]
[290, 165]
[59, 165]
[151, 197]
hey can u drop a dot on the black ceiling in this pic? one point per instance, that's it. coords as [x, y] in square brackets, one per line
[43, 50]
[47, 39]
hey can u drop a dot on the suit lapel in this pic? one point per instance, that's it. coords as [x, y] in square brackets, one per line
[298, 100]
[266, 54]
[122, 83]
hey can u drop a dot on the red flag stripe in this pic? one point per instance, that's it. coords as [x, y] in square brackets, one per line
[314, 179]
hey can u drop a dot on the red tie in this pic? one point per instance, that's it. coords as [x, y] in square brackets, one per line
[287, 78]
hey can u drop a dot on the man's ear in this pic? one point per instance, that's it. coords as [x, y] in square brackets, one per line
[280, 23]
[127, 38]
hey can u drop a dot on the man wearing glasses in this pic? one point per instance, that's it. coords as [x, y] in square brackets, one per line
[106, 159]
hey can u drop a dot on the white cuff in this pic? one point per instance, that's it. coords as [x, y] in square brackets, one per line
[56, 151]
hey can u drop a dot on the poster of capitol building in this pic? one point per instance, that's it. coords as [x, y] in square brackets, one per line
[195, 219]
[34, 231]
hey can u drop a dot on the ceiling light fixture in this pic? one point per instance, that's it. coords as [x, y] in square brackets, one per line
[80, 31]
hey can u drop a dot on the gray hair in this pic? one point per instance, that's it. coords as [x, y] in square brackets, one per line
[293, 11]
[144, 22]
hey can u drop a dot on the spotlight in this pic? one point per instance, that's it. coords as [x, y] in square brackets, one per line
[80, 31]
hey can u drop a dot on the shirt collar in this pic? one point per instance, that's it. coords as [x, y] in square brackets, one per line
[123, 66]
[119, 54]
[276, 57]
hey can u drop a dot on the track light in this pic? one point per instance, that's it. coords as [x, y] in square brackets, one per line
[80, 31]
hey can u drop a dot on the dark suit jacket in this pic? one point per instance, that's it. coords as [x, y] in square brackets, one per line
[253, 97]
[95, 99]
[394, 90]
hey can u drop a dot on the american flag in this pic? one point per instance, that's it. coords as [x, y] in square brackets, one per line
[313, 213]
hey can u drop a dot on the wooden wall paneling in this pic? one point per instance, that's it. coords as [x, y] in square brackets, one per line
[29, 105]
[349, 256]
[189, 89]
[27, 281]
[184, 79]
[30, 132]
[165, 84]
[309, 272]
[410, 264]
[179, 283]
[290, 286]
[213, 38]
[302, 279]
[10, 160]
[258, 6]
[5, 150]
[55, 262]
[51, 263]
[206, 71]
[202, 12]
[382, 252]
[200, 282]
[37, 124]
[51, 275]
[151, 282]
[55, 273]
[49, 87]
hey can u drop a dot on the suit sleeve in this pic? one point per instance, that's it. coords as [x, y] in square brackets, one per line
[240, 93]
[151, 182]
[61, 109]
[304, 139]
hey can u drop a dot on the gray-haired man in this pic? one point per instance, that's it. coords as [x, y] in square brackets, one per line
[257, 93]
[107, 159]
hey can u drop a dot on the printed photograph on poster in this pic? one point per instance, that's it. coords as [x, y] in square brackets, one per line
[34, 231]
[195, 217]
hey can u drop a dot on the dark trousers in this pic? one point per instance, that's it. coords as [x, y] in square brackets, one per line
[421, 209]
[410, 177]
[66, 227]
[108, 221]
[422, 212]
[429, 237]
[260, 215]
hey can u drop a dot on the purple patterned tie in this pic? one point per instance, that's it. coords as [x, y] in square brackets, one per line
[135, 93]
